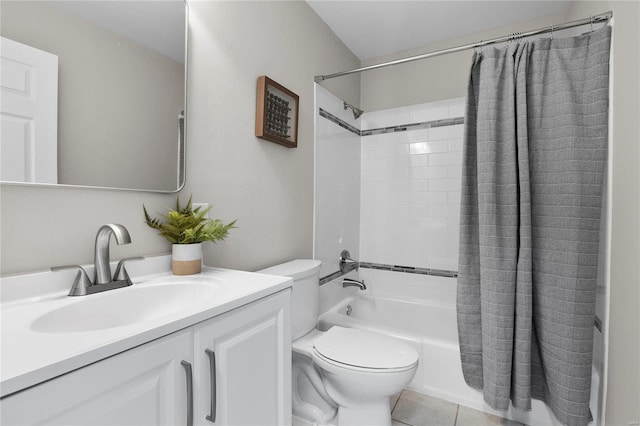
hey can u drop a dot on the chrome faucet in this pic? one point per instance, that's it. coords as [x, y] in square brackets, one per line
[348, 282]
[347, 264]
[102, 280]
[101, 259]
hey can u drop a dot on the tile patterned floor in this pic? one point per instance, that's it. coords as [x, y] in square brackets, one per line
[414, 409]
[410, 408]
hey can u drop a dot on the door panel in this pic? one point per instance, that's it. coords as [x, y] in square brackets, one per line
[28, 114]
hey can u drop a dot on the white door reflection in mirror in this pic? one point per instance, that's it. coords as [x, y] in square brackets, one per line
[28, 109]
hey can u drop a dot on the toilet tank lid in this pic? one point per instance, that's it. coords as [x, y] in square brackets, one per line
[296, 269]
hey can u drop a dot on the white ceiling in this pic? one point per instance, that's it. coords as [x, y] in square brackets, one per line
[376, 28]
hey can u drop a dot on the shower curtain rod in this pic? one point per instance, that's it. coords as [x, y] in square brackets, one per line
[594, 19]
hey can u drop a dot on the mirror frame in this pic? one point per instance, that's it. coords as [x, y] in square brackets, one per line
[182, 157]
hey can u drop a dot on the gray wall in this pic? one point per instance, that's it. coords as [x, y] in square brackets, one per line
[268, 188]
[434, 79]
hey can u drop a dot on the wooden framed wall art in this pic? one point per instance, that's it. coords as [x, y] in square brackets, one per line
[276, 113]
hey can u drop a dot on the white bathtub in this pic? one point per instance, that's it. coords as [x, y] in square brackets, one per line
[431, 328]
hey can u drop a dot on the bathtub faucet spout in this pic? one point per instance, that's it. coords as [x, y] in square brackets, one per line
[348, 282]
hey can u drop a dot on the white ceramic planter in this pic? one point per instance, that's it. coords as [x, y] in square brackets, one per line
[186, 259]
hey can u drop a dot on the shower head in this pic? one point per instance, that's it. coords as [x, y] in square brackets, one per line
[357, 112]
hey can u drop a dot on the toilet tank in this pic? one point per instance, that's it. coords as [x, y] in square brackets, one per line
[305, 299]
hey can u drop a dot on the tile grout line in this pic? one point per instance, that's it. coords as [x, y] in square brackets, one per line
[394, 407]
[455, 421]
[397, 400]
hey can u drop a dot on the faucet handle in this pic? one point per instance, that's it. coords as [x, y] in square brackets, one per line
[346, 263]
[82, 282]
[121, 273]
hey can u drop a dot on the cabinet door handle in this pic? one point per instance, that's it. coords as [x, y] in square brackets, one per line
[189, 373]
[212, 365]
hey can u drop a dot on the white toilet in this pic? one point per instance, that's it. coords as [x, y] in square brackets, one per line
[343, 376]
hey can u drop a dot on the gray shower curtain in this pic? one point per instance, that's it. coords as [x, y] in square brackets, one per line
[534, 163]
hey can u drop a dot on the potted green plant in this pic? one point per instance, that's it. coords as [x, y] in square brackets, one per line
[186, 228]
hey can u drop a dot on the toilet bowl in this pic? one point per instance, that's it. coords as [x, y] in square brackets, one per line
[343, 376]
[361, 370]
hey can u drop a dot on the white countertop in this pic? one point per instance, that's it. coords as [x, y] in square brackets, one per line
[29, 357]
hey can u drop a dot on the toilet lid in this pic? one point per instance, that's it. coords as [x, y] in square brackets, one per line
[364, 349]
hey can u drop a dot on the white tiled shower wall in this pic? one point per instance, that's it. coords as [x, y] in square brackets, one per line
[391, 198]
[410, 187]
[337, 194]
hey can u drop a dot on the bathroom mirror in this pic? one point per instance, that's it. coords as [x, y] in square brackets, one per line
[113, 117]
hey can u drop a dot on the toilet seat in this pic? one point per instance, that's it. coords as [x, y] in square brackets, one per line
[362, 350]
[326, 363]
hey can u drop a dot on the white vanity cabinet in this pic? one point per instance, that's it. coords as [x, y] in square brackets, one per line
[142, 386]
[243, 364]
[147, 385]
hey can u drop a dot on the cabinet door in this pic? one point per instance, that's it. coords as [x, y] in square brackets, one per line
[143, 386]
[252, 350]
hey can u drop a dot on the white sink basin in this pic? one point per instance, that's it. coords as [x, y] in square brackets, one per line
[122, 307]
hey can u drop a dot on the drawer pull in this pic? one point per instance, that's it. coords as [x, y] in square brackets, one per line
[189, 373]
[212, 365]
